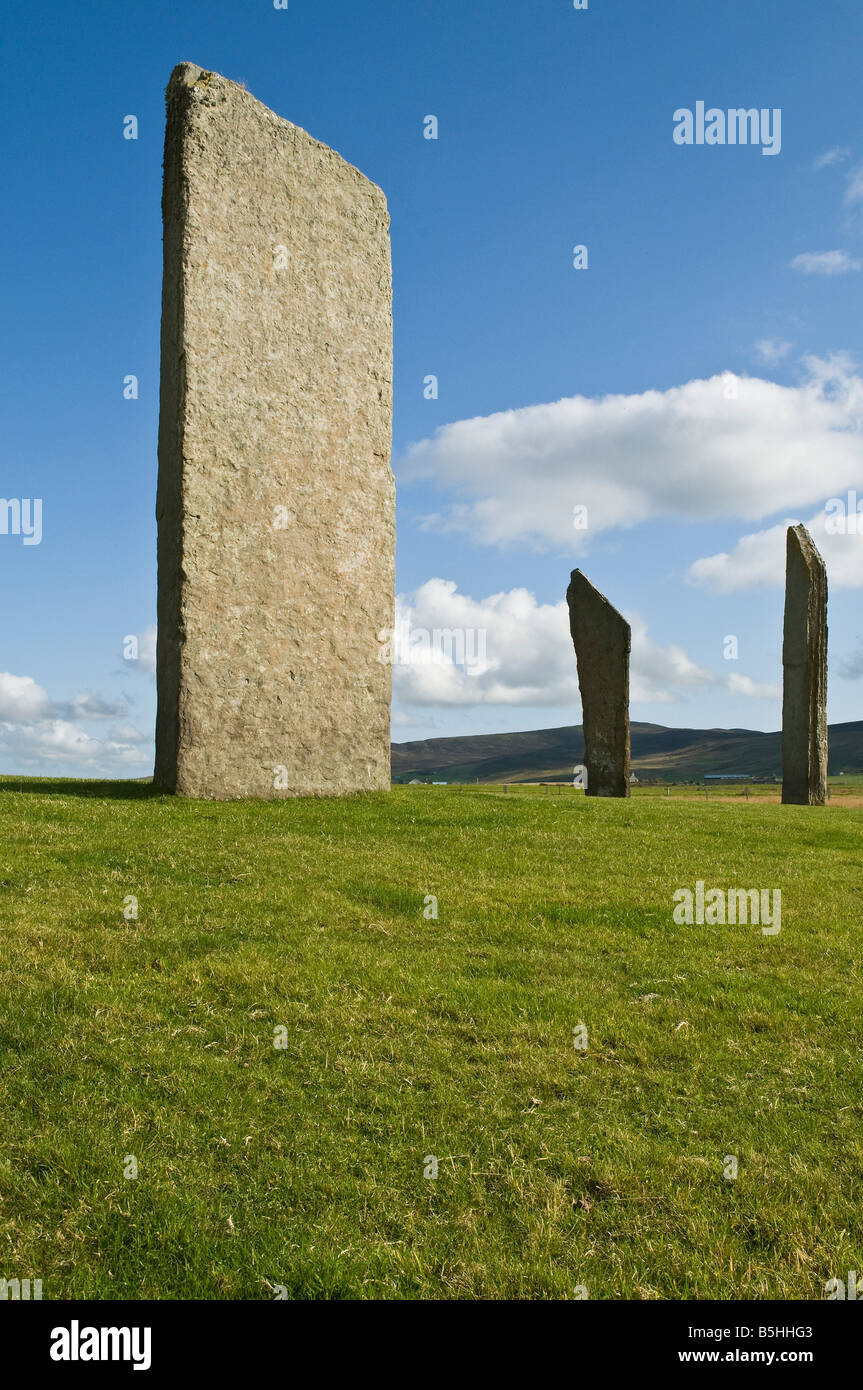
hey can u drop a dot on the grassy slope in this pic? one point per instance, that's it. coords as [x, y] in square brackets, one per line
[409, 1037]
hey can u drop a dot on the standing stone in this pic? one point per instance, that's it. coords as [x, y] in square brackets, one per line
[602, 640]
[276, 500]
[804, 663]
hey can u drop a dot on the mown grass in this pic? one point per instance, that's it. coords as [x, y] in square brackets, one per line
[408, 1036]
[846, 790]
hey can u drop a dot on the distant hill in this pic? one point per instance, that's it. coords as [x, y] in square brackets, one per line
[549, 755]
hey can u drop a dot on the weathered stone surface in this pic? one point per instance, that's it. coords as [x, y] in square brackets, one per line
[804, 665]
[276, 500]
[602, 640]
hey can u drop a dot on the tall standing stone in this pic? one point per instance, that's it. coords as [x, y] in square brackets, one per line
[804, 665]
[602, 641]
[276, 500]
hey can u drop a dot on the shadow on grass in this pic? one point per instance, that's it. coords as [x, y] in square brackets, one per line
[73, 786]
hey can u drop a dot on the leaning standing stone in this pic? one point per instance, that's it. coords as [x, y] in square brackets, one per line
[804, 665]
[602, 640]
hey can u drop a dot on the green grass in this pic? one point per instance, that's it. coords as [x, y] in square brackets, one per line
[848, 789]
[409, 1037]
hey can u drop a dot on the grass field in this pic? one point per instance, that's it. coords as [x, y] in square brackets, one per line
[302, 1167]
[846, 791]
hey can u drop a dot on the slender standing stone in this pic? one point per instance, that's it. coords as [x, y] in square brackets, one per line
[804, 664]
[276, 500]
[602, 640]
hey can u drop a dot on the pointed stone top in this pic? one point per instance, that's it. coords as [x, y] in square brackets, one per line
[582, 591]
[799, 542]
[579, 583]
[189, 77]
[194, 91]
[187, 74]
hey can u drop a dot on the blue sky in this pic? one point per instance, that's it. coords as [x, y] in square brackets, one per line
[695, 387]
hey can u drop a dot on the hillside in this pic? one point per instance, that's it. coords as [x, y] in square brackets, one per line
[548, 755]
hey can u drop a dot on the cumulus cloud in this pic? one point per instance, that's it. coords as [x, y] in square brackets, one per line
[400, 719]
[825, 263]
[514, 650]
[758, 559]
[89, 706]
[721, 448]
[508, 649]
[36, 731]
[660, 674]
[127, 733]
[21, 699]
[745, 685]
[57, 741]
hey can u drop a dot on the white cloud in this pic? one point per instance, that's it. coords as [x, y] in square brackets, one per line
[36, 732]
[745, 685]
[758, 559]
[837, 155]
[529, 656]
[528, 650]
[57, 741]
[127, 733]
[725, 447]
[21, 699]
[825, 263]
[400, 719]
[89, 706]
[772, 350]
[661, 674]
